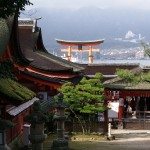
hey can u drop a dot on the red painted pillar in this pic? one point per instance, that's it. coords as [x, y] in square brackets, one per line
[105, 112]
[121, 107]
[121, 110]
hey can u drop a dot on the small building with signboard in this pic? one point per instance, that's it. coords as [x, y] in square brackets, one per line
[129, 103]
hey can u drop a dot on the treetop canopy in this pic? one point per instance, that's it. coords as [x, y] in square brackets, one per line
[11, 7]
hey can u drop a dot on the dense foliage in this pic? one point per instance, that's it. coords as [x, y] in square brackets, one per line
[129, 77]
[5, 124]
[125, 74]
[86, 98]
[6, 69]
[11, 7]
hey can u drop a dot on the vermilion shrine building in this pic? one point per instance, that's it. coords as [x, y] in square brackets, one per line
[130, 102]
[44, 73]
[33, 67]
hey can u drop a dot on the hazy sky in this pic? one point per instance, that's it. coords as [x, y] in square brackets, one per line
[140, 4]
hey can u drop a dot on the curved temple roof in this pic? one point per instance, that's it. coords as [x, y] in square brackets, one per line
[32, 48]
[83, 43]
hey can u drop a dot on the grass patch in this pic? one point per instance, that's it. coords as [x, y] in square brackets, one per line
[79, 141]
[87, 137]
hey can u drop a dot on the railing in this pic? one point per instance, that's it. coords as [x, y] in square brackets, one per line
[137, 120]
[137, 115]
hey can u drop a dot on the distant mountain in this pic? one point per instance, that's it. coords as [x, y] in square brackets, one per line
[90, 23]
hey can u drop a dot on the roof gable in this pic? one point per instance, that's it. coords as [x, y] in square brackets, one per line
[33, 49]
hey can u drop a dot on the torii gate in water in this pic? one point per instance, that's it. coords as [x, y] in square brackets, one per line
[80, 46]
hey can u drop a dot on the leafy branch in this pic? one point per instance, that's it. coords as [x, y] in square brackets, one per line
[85, 99]
[11, 7]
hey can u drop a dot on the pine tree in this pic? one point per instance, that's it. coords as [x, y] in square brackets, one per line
[85, 99]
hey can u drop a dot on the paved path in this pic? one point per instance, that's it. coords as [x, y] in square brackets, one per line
[130, 140]
[125, 140]
[124, 131]
[118, 144]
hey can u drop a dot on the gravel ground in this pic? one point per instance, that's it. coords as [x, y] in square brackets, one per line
[118, 144]
[124, 140]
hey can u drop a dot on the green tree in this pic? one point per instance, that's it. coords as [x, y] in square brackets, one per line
[11, 7]
[85, 99]
[125, 74]
[130, 77]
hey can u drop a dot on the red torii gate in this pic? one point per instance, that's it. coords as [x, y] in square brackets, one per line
[80, 45]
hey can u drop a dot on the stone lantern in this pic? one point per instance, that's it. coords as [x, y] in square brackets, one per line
[60, 143]
[4, 125]
[37, 120]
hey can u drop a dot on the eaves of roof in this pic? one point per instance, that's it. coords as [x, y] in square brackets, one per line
[32, 48]
[129, 86]
[13, 111]
[136, 70]
[41, 77]
[64, 63]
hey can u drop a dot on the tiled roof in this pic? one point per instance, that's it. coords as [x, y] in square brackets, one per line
[49, 75]
[33, 50]
[13, 111]
[12, 90]
[43, 77]
[118, 83]
[67, 64]
[106, 69]
[136, 70]
[131, 86]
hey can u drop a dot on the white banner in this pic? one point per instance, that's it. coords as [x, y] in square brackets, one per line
[114, 109]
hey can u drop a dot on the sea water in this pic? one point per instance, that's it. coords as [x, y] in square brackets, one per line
[141, 62]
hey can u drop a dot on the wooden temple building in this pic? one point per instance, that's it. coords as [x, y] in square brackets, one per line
[15, 99]
[108, 70]
[75, 46]
[40, 74]
[33, 65]
[28, 71]
[129, 102]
